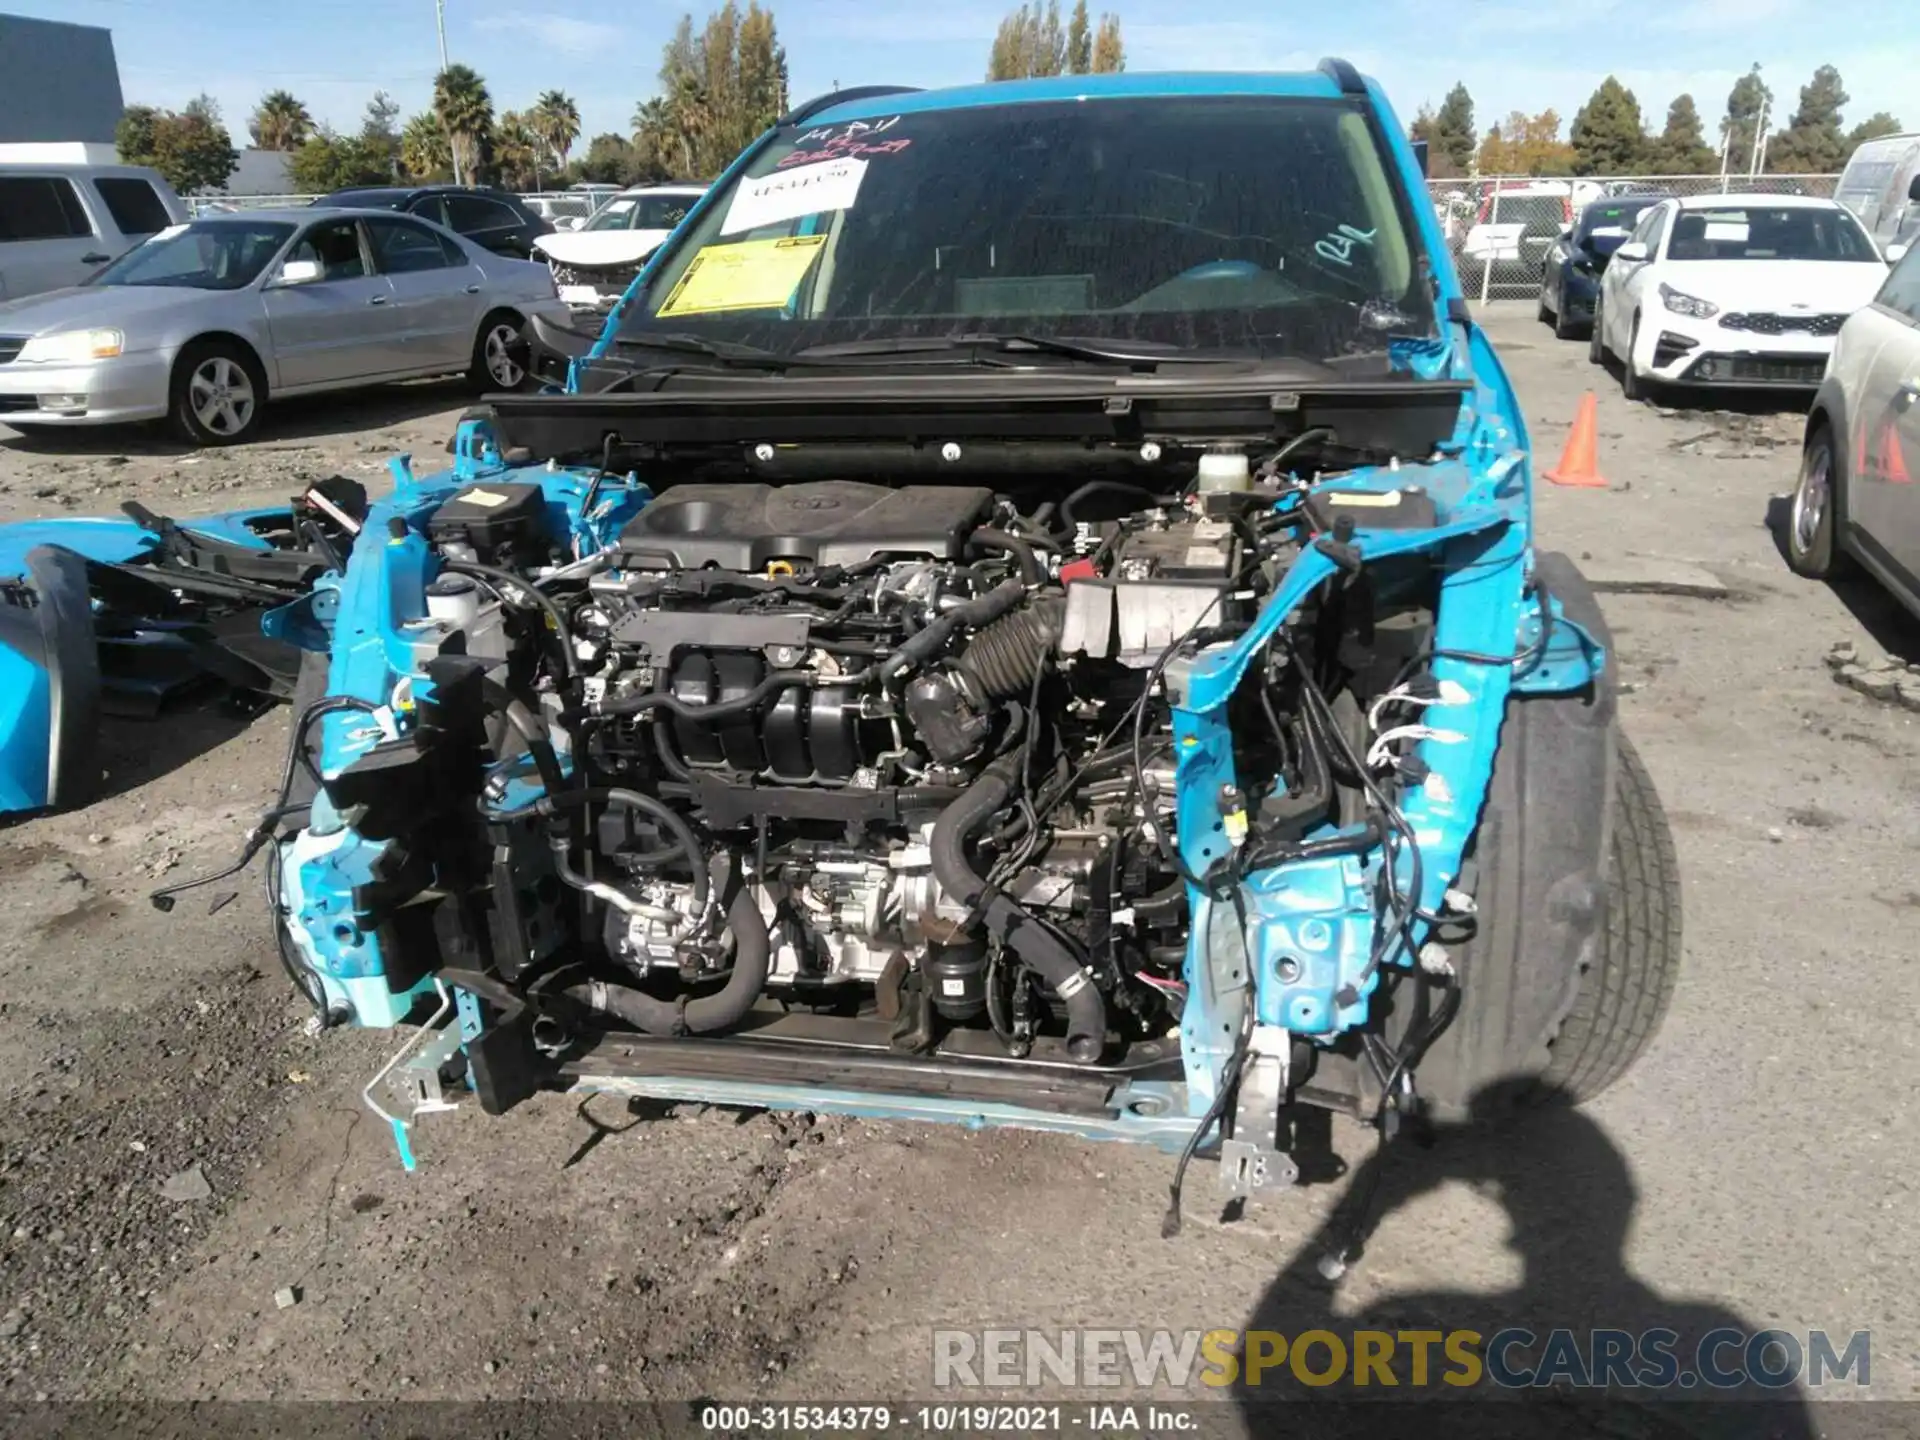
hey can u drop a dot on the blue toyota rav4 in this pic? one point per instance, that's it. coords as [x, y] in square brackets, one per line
[1028, 614]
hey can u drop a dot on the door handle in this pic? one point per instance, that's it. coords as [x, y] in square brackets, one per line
[95, 259]
[473, 289]
[1904, 397]
[376, 300]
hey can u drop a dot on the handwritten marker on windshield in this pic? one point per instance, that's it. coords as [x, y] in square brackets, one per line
[1580, 461]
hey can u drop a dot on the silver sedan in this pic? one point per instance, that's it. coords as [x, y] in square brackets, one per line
[201, 323]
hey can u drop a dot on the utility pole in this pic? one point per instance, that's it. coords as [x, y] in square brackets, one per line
[440, 19]
[1759, 138]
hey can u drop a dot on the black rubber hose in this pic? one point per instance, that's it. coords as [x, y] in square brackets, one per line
[773, 684]
[531, 729]
[562, 647]
[1009, 921]
[1002, 659]
[980, 611]
[1105, 487]
[1031, 570]
[752, 954]
[662, 814]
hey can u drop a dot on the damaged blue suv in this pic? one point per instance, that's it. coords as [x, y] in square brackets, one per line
[1028, 614]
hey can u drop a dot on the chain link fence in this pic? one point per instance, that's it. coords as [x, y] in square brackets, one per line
[1499, 227]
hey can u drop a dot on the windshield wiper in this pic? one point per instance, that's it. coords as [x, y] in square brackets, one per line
[732, 352]
[1012, 343]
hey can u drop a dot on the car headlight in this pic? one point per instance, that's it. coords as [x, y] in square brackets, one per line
[73, 347]
[1681, 303]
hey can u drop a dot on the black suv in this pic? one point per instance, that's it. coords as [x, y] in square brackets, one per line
[491, 218]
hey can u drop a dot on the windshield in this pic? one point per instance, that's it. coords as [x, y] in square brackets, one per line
[1757, 232]
[206, 255]
[1605, 228]
[1247, 225]
[642, 212]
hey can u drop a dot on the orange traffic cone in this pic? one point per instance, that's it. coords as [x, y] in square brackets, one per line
[1580, 461]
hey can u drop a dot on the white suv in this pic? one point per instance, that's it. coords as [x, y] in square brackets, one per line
[1859, 491]
[60, 223]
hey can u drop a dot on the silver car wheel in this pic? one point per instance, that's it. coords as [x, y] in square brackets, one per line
[221, 394]
[504, 370]
[1812, 496]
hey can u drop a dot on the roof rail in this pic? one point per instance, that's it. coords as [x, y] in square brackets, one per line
[1342, 73]
[802, 113]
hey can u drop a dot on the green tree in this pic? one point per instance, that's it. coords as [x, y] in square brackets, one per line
[1746, 103]
[1109, 50]
[1453, 133]
[1874, 127]
[465, 112]
[556, 120]
[190, 148]
[610, 160]
[1079, 40]
[424, 152]
[379, 136]
[280, 122]
[333, 162]
[1812, 142]
[517, 152]
[1681, 148]
[1608, 136]
[719, 89]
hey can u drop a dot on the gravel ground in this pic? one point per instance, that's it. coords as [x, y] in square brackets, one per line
[174, 1151]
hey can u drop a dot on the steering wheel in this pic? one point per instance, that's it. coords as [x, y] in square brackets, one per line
[1221, 270]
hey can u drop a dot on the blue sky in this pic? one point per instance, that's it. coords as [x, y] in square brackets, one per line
[335, 53]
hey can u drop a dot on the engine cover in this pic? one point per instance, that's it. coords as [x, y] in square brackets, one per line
[828, 522]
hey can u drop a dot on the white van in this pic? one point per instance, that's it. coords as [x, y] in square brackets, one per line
[60, 223]
[1881, 186]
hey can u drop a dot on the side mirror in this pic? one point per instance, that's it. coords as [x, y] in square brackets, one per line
[1896, 252]
[1420, 156]
[1913, 188]
[298, 272]
[1632, 252]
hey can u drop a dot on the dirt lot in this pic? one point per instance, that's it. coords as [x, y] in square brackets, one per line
[1756, 1168]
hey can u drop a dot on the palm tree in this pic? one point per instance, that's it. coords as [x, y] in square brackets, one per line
[516, 151]
[280, 122]
[555, 119]
[424, 153]
[465, 111]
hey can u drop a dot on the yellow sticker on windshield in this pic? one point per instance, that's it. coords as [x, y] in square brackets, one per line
[753, 275]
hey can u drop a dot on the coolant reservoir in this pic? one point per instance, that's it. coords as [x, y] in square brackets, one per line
[1225, 468]
[453, 600]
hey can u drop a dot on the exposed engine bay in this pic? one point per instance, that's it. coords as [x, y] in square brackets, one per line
[1100, 801]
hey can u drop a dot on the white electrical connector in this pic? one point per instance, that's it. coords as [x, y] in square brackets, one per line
[1381, 751]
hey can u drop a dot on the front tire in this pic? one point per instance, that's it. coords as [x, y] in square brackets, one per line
[1631, 385]
[1814, 517]
[216, 394]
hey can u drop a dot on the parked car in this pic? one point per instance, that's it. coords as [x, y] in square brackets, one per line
[1858, 499]
[1570, 273]
[1881, 185]
[564, 212]
[873, 798]
[60, 223]
[492, 219]
[203, 322]
[1516, 221]
[594, 265]
[1733, 290]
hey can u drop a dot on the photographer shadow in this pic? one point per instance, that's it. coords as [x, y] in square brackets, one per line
[1569, 1197]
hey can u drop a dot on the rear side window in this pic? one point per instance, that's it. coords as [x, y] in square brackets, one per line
[400, 248]
[471, 213]
[41, 207]
[135, 205]
[1901, 293]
